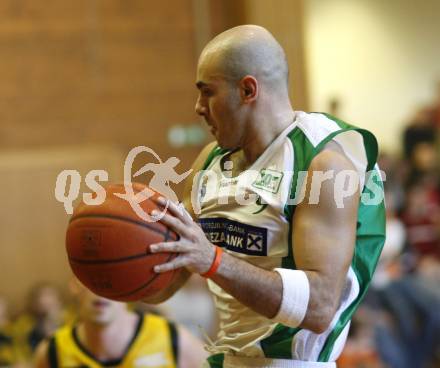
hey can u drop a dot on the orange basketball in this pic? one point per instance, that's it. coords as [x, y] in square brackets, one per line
[108, 247]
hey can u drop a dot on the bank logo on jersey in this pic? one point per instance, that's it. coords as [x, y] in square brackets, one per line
[268, 180]
[254, 241]
[235, 236]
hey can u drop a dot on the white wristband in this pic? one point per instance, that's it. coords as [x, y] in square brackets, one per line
[296, 293]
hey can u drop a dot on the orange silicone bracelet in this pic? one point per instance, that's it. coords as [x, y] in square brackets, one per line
[215, 264]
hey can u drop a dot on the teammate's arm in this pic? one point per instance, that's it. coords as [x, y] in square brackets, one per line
[184, 274]
[41, 359]
[191, 351]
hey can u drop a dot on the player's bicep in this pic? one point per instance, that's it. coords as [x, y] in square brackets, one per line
[324, 239]
[324, 233]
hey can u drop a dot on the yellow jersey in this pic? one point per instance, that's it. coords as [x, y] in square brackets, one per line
[7, 353]
[154, 344]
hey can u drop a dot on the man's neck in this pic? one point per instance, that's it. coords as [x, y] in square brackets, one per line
[108, 342]
[263, 133]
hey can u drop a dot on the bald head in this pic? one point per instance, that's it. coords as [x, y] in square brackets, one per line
[248, 50]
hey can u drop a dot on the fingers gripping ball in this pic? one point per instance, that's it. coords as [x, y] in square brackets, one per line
[108, 247]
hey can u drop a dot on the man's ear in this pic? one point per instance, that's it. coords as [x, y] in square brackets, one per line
[249, 89]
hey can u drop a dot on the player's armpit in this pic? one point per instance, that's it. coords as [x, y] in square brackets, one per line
[324, 238]
[41, 358]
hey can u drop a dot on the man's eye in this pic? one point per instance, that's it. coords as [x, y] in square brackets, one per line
[206, 92]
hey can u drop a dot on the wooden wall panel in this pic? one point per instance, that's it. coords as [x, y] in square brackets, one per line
[286, 22]
[33, 223]
[101, 73]
[96, 73]
[87, 71]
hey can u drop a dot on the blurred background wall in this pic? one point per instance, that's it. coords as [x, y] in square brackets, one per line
[379, 59]
[83, 82]
[75, 72]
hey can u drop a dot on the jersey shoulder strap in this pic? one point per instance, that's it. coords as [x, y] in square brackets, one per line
[156, 339]
[308, 139]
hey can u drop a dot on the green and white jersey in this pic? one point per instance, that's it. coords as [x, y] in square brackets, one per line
[250, 216]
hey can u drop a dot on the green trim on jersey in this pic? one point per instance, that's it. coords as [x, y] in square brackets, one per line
[369, 244]
[216, 360]
[279, 344]
[216, 151]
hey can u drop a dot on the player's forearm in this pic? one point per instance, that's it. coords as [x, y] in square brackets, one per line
[262, 291]
[323, 302]
[258, 289]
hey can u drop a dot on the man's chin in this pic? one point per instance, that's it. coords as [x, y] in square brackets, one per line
[99, 318]
[100, 321]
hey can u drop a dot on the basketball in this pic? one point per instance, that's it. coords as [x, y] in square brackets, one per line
[108, 247]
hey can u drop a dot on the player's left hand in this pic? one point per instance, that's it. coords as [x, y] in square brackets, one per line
[196, 252]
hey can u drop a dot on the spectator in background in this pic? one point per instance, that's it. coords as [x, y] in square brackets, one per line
[360, 350]
[424, 161]
[421, 129]
[422, 217]
[334, 106]
[388, 267]
[108, 334]
[395, 173]
[193, 307]
[409, 335]
[436, 108]
[7, 355]
[45, 313]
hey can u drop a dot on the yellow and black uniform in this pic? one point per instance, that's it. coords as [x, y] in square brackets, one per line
[154, 344]
[7, 353]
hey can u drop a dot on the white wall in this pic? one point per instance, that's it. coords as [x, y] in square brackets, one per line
[380, 57]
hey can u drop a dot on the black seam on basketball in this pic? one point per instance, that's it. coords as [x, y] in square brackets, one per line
[122, 219]
[142, 286]
[106, 261]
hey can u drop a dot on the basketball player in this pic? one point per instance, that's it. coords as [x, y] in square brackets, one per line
[286, 276]
[109, 335]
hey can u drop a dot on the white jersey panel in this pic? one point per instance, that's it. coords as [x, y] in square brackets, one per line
[307, 345]
[257, 231]
[317, 127]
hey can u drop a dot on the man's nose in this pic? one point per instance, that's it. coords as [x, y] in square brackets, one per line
[199, 108]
